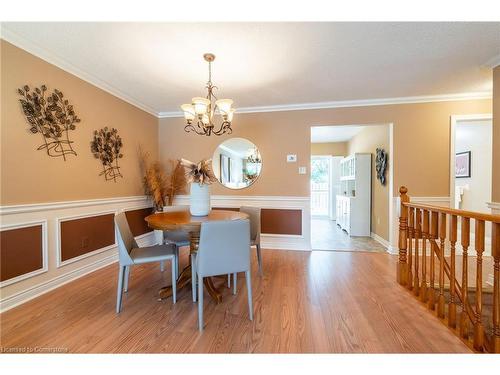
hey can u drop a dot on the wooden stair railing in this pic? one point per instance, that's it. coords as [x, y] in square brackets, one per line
[423, 227]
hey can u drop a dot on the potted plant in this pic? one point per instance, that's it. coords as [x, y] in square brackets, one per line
[200, 175]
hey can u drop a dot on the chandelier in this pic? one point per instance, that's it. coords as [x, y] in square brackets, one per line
[200, 114]
[254, 157]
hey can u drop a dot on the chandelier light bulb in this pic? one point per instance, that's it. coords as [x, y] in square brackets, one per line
[200, 105]
[189, 113]
[224, 105]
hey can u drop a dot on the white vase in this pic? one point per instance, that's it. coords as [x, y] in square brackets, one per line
[200, 200]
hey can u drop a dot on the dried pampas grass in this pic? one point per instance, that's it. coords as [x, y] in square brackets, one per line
[162, 182]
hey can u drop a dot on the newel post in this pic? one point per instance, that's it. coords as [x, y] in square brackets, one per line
[402, 270]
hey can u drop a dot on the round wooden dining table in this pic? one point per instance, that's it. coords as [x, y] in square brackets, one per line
[183, 220]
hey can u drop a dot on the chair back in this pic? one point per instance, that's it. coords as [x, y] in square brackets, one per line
[224, 247]
[254, 215]
[126, 240]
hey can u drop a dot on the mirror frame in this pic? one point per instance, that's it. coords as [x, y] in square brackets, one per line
[256, 178]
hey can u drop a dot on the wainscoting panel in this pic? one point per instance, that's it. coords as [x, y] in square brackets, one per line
[80, 236]
[23, 251]
[136, 221]
[285, 219]
[281, 221]
[66, 228]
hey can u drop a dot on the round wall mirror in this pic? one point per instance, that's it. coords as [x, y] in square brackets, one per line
[237, 163]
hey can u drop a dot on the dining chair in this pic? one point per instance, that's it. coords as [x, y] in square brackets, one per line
[178, 238]
[131, 254]
[254, 216]
[224, 249]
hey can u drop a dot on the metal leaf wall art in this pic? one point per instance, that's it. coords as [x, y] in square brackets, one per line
[52, 116]
[381, 165]
[106, 147]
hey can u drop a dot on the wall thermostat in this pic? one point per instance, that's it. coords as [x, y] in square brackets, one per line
[291, 158]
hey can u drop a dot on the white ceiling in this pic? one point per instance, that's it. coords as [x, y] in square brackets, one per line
[159, 66]
[326, 134]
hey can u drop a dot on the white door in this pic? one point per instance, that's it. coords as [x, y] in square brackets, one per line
[320, 185]
[334, 184]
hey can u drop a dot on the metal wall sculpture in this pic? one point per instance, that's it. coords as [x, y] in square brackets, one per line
[106, 147]
[52, 116]
[381, 165]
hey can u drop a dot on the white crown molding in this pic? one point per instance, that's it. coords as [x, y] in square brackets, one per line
[354, 103]
[53, 59]
[493, 62]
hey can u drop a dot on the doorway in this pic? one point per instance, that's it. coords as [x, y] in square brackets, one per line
[471, 162]
[332, 147]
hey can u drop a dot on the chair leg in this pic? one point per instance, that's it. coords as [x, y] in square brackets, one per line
[235, 279]
[162, 266]
[193, 276]
[229, 280]
[249, 293]
[259, 258]
[119, 292]
[127, 277]
[174, 281]
[200, 303]
[177, 261]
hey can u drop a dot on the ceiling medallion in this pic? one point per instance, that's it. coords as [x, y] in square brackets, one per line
[200, 113]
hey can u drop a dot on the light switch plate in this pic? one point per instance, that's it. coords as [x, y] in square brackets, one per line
[302, 170]
[291, 158]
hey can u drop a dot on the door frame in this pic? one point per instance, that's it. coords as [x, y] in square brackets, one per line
[454, 120]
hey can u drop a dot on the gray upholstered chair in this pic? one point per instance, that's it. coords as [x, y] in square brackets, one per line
[254, 216]
[224, 249]
[178, 238]
[131, 254]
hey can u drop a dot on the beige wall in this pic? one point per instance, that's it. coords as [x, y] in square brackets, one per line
[421, 143]
[331, 148]
[31, 176]
[367, 141]
[495, 188]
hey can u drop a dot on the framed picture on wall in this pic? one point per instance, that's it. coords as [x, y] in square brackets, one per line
[462, 164]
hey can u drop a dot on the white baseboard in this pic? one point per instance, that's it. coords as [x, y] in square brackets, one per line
[389, 248]
[37, 290]
[284, 242]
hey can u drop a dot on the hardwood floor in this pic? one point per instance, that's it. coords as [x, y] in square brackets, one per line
[307, 302]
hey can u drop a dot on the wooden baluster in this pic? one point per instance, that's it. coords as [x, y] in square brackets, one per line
[495, 252]
[478, 324]
[418, 235]
[464, 318]
[411, 233]
[452, 308]
[431, 295]
[402, 270]
[425, 234]
[442, 236]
